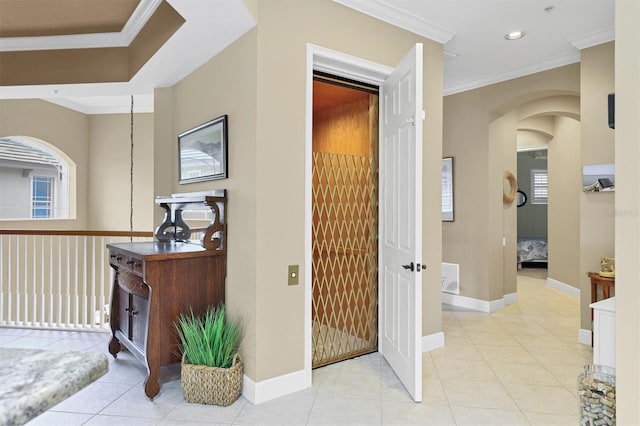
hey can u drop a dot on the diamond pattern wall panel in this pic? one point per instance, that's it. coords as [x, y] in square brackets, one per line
[345, 251]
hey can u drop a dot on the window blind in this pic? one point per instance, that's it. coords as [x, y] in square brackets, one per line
[539, 187]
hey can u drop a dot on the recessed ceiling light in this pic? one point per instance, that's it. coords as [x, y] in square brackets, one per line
[515, 35]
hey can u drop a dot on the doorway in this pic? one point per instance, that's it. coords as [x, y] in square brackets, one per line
[532, 230]
[399, 206]
[345, 219]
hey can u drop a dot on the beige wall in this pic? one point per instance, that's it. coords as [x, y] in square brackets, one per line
[480, 131]
[597, 143]
[67, 130]
[464, 241]
[109, 178]
[99, 145]
[565, 183]
[281, 93]
[165, 167]
[627, 210]
[503, 216]
[259, 81]
[226, 84]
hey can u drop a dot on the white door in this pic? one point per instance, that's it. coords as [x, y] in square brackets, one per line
[400, 277]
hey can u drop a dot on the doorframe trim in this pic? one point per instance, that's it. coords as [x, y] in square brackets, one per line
[340, 64]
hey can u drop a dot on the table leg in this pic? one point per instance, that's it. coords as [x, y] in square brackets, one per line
[151, 385]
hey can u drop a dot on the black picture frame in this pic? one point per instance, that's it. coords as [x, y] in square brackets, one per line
[203, 152]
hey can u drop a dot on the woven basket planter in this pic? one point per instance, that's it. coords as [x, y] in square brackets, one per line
[212, 385]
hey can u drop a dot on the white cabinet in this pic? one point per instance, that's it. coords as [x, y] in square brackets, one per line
[604, 332]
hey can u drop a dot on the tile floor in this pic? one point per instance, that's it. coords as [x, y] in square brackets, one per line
[514, 367]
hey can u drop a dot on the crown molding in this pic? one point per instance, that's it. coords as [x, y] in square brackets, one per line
[593, 39]
[139, 18]
[136, 22]
[554, 62]
[106, 104]
[385, 12]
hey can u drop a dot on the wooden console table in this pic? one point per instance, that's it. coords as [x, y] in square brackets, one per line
[156, 281]
[606, 284]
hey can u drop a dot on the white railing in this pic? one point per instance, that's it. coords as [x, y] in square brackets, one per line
[57, 279]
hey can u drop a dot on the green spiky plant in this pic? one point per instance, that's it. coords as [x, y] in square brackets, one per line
[210, 339]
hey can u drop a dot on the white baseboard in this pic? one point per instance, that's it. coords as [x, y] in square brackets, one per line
[432, 341]
[276, 387]
[269, 389]
[496, 305]
[511, 298]
[584, 336]
[473, 304]
[565, 288]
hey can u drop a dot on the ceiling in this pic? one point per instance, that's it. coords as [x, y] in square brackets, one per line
[219, 22]
[327, 95]
[472, 31]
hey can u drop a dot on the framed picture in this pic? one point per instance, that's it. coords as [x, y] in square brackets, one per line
[447, 189]
[203, 152]
[599, 178]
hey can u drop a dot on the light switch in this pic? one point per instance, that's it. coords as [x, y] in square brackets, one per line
[293, 274]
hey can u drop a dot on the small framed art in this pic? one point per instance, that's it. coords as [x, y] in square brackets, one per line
[447, 189]
[203, 152]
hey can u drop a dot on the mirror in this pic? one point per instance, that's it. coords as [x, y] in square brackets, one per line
[521, 198]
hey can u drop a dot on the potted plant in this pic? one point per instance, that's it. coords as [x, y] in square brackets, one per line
[212, 369]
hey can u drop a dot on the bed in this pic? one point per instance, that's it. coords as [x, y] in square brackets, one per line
[532, 250]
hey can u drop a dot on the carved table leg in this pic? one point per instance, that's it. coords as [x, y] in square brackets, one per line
[152, 349]
[114, 346]
[114, 343]
[151, 385]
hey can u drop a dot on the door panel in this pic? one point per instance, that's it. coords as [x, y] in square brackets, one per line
[401, 221]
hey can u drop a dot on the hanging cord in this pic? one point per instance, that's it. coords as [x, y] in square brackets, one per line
[131, 177]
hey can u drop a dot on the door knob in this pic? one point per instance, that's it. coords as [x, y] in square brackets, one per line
[409, 266]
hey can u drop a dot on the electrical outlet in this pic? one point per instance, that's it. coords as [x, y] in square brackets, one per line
[293, 274]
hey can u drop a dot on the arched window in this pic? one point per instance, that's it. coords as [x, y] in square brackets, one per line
[34, 180]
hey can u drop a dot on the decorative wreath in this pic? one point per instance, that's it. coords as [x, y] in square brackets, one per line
[513, 188]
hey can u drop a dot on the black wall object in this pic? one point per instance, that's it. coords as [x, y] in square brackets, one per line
[612, 110]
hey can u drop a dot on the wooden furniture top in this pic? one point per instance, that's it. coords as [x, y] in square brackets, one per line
[599, 279]
[160, 250]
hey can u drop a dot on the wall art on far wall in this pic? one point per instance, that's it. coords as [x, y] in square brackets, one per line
[447, 189]
[203, 152]
[599, 178]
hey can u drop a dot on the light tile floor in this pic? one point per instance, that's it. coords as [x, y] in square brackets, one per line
[515, 367]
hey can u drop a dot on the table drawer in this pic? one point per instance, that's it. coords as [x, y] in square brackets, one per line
[133, 283]
[127, 262]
